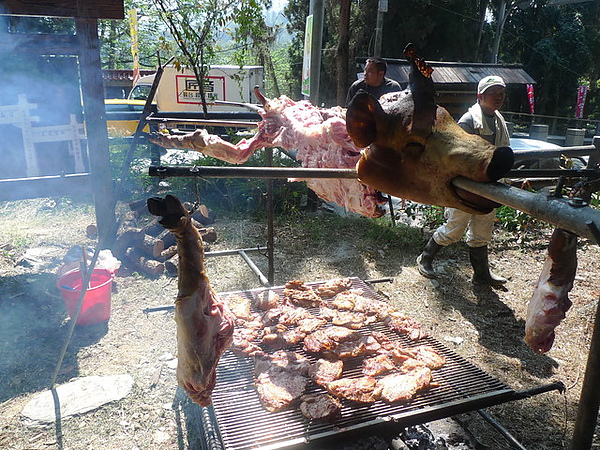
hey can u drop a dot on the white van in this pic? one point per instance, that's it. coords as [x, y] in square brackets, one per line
[178, 89]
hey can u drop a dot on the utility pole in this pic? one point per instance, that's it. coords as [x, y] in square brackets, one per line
[383, 8]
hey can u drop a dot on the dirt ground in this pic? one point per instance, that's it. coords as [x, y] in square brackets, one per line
[483, 325]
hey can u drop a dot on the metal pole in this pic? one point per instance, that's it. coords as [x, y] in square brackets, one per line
[270, 221]
[572, 215]
[382, 8]
[249, 172]
[205, 122]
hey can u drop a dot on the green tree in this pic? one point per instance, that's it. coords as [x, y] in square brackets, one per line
[553, 44]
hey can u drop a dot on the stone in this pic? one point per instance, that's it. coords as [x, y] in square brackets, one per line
[76, 397]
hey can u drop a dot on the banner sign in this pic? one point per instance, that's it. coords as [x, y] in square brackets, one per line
[133, 28]
[188, 91]
[581, 95]
[531, 98]
[307, 55]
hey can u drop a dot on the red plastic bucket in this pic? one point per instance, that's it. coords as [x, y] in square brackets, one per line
[96, 303]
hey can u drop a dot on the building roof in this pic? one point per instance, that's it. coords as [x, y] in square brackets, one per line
[122, 75]
[457, 75]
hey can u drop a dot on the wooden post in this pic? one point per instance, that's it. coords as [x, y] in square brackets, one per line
[95, 122]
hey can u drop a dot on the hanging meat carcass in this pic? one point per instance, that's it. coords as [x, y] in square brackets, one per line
[550, 300]
[204, 324]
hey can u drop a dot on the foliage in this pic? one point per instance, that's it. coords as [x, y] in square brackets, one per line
[551, 43]
[515, 220]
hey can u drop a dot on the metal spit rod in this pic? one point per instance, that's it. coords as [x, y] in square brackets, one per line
[305, 172]
[243, 252]
[572, 215]
[249, 172]
[582, 150]
[204, 122]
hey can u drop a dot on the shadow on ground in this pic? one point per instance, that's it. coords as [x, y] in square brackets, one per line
[33, 328]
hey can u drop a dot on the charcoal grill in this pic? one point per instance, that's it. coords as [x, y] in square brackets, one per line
[237, 419]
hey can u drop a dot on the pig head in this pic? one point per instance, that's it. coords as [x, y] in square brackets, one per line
[204, 324]
[414, 148]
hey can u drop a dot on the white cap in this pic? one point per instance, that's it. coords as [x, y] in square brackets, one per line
[488, 82]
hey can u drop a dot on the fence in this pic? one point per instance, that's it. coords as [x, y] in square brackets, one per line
[72, 134]
[564, 131]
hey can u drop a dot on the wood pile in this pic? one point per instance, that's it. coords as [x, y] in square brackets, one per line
[151, 249]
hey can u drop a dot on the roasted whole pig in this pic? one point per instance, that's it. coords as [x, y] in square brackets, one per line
[550, 300]
[204, 324]
[414, 148]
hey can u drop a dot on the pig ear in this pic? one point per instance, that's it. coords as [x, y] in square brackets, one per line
[361, 118]
[423, 93]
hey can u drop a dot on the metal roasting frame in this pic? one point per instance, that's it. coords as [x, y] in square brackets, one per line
[574, 215]
[462, 388]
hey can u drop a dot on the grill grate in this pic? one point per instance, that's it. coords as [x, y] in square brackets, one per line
[243, 423]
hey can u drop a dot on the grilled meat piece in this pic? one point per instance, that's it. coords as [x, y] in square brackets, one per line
[347, 299]
[239, 306]
[324, 371]
[422, 355]
[293, 316]
[403, 324]
[328, 338]
[361, 390]
[319, 406]
[278, 388]
[298, 293]
[333, 287]
[349, 319]
[347, 350]
[243, 341]
[309, 325]
[550, 299]
[429, 356]
[403, 387]
[377, 365]
[281, 359]
[266, 300]
[279, 336]
[204, 323]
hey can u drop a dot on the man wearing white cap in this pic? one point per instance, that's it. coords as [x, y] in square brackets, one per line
[483, 119]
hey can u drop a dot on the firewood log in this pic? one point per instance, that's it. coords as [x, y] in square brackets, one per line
[172, 265]
[148, 266]
[167, 237]
[133, 237]
[168, 253]
[153, 228]
[208, 234]
[138, 207]
[204, 215]
[153, 247]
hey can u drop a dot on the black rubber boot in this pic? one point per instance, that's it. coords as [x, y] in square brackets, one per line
[425, 259]
[481, 267]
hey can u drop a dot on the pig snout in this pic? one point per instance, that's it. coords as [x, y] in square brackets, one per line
[501, 163]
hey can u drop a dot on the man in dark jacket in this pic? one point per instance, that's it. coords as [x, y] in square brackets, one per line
[374, 82]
